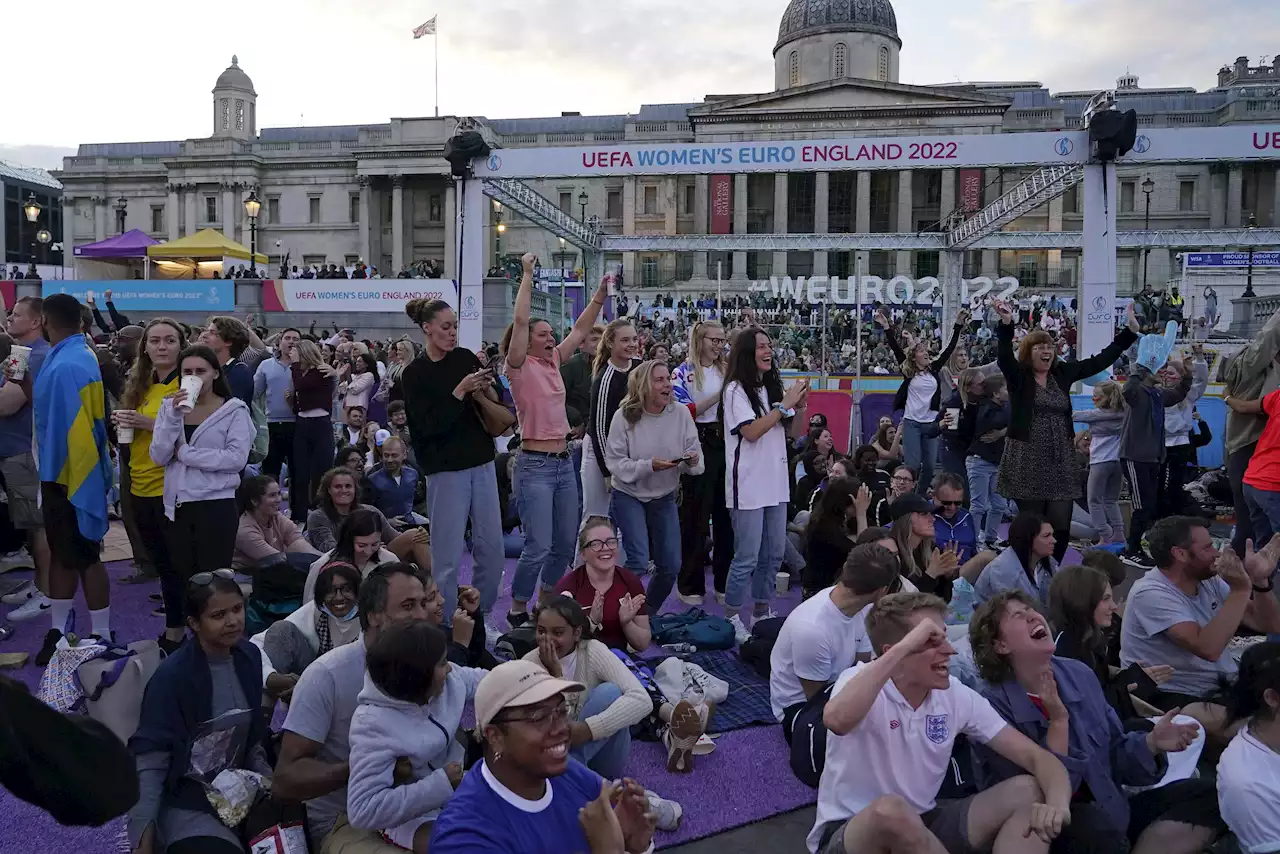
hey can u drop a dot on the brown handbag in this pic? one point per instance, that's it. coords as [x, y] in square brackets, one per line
[495, 417]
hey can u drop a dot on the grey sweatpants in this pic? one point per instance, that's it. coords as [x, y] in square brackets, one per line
[1105, 482]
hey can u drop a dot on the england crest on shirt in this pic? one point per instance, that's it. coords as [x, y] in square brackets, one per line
[935, 728]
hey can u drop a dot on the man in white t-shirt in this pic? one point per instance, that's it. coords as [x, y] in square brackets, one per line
[892, 724]
[827, 633]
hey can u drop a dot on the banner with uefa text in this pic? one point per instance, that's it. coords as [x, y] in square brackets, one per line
[357, 295]
[207, 295]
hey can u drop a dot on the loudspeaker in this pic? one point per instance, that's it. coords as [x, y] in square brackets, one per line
[1112, 134]
[462, 149]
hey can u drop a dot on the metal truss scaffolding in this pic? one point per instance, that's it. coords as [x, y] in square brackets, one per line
[527, 202]
[1041, 187]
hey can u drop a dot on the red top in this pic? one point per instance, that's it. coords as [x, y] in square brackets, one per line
[1264, 467]
[578, 585]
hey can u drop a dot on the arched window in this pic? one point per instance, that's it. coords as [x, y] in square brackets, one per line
[883, 70]
[795, 68]
[838, 61]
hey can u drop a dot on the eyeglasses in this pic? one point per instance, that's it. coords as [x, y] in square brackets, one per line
[541, 718]
[341, 590]
[904, 478]
[204, 579]
[601, 545]
[950, 503]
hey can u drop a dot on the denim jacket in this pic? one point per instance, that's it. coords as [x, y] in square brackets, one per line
[1100, 753]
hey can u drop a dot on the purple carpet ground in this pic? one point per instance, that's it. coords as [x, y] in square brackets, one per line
[746, 779]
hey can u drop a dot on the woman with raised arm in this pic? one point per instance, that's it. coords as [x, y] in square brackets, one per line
[1041, 438]
[920, 397]
[548, 490]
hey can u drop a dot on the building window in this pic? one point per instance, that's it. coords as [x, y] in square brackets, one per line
[838, 63]
[650, 200]
[566, 203]
[225, 104]
[157, 220]
[253, 119]
[210, 208]
[313, 260]
[390, 211]
[613, 204]
[648, 272]
[1126, 196]
[795, 68]
[353, 208]
[435, 209]
[882, 71]
[1186, 195]
[239, 114]
[313, 209]
[273, 211]
[350, 260]
[690, 196]
[1071, 200]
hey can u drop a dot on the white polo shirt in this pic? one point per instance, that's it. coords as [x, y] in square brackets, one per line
[755, 472]
[1249, 792]
[898, 750]
[817, 642]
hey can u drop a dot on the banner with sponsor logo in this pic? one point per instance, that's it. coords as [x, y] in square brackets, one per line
[206, 295]
[1211, 260]
[721, 204]
[357, 295]
[970, 190]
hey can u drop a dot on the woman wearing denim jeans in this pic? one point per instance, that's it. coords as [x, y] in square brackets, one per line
[546, 480]
[756, 413]
[652, 441]
[920, 397]
[454, 452]
[1106, 472]
[986, 504]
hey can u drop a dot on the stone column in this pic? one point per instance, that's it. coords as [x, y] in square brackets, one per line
[99, 218]
[629, 227]
[450, 229]
[171, 212]
[189, 227]
[780, 220]
[1217, 200]
[397, 222]
[1235, 197]
[821, 217]
[862, 221]
[948, 193]
[229, 211]
[906, 221]
[669, 205]
[740, 224]
[701, 221]
[365, 193]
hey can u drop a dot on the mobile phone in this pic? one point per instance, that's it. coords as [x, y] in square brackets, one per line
[1147, 690]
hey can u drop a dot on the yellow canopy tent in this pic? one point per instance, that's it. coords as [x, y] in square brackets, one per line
[206, 244]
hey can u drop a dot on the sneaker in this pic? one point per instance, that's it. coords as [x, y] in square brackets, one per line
[688, 723]
[1137, 559]
[20, 559]
[741, 633]
[668, 813]
[141, 575]
[694, 600]
[515, 620]
[769, 614]
[19, 596]
[33, 607]
[47, 648]
[720, 597]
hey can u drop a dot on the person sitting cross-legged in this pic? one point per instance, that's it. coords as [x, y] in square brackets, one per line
[892, 726]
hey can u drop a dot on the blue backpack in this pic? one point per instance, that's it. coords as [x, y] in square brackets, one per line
[695, 626]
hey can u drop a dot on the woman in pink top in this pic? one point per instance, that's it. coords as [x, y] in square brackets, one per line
[546, 488]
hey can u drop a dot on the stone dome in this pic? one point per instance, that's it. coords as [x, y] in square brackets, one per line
[234, 78]
[814, 17]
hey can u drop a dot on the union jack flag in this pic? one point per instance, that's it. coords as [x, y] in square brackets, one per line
[427, 29]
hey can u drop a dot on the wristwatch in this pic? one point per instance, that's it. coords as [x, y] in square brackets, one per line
[786, 413]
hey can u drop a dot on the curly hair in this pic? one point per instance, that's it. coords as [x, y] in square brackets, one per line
[984, 633]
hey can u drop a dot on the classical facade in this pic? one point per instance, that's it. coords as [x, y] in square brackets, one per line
[382, 193]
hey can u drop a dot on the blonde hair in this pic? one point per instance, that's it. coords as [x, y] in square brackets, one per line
[697, 335]
[889, 620]
[908, 366]
[913, 563]
[967, 376]
[605, 348]
[1111, 394]
[639, 384]
[309, 355]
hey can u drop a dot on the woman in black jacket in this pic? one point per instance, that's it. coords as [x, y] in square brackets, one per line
[920, 398]
[957, 435]
[1041, 437]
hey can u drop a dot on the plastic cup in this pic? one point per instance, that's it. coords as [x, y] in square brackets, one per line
[124, 435]
[191, 385]
[783, 582]
[18, 357]
[953, 416]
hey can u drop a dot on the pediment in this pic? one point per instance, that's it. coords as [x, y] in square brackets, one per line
[851, 95]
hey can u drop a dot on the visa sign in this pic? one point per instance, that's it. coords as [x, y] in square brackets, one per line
[900, 290]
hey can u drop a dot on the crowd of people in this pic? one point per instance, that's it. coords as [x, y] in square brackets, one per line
[946, 684]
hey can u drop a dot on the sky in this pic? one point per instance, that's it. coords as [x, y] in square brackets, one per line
[147, 74]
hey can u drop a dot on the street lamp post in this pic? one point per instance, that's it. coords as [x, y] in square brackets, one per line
[32, 210]
[253, 207]
[582, 203]
[1147, 187]
[43, 237]
[499, 229]
[1248, 282]
[122, 207]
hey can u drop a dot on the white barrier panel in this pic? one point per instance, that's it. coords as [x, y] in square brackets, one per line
[354, 295]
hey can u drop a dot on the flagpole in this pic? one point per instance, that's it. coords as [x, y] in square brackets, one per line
[435, 49]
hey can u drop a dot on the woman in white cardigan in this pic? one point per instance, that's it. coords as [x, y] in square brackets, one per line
[602, 715]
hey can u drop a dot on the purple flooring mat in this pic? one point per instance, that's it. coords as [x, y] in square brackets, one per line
[714, 797]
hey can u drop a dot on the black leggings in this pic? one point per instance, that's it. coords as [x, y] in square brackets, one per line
[1057, 514]
[153, 528]
[702, 507]
[202, 538]
[313, 452]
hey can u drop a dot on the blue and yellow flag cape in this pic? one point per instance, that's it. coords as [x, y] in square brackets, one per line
[71, 431]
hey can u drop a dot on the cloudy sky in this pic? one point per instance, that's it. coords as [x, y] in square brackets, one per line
[146, 73]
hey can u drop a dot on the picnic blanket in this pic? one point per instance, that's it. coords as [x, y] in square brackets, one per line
[748, 703]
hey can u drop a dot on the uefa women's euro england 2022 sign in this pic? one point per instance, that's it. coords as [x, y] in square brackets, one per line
[870, 290]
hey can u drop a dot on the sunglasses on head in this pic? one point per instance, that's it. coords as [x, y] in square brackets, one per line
[203, 579]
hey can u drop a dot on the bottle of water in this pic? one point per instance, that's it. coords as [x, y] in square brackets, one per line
[961, 607]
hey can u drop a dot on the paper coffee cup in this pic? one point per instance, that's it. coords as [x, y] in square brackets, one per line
[953, 415]
[783, 582]
[191, 385]
[124, 435]
[18, 357]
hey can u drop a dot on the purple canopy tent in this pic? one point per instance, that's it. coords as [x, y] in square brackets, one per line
[131, 244]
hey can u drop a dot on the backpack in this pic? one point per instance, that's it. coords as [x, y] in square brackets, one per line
[759, 649]
[517, 643]
[696, 627]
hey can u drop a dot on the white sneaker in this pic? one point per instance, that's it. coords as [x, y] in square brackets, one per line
[21, 557]
[33, 607]
[19, 596]
[767, 615]
[693, 600]
[668, 813]
[741, 633]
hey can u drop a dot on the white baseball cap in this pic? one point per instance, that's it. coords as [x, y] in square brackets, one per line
[517, 683]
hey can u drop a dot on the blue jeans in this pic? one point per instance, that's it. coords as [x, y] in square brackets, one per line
[759, 542]
[920, 451]
[546, 489]
[985, 504]
[643, 522]
[1264, 513]
[453, 497]
[608, 756]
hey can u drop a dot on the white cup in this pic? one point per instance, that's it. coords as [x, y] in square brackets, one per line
[191, 384]
[124, 435]
[953, 416]
[783, 582]
[18, 357]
